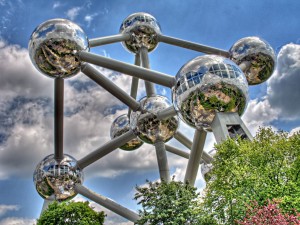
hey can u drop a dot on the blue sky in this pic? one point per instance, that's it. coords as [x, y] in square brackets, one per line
[26, 102]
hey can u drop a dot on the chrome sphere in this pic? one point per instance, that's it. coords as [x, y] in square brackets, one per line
[256, 58]
[143, 29]
[56, 179]
[145, 124]
[121, 126]
[54, 45]
[205, 171]
[206, 85]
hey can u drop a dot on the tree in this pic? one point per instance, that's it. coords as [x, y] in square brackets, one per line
[243, 171]
[173, 203]
[79, 213]
[270, 214]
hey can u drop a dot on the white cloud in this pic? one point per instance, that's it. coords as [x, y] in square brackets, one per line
[17, 221]
[56, 5]
[283, 86]
[89, 18]
[295, 130]
[6, 208]
[18, 75]
[73, 12]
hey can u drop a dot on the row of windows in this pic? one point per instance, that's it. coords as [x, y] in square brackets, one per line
[193, 78]
[147, 19]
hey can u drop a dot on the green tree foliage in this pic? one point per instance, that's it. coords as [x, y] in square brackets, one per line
[173, 203]
[79, 213]
[265, 169]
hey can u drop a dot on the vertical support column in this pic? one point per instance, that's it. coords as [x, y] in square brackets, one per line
[230, 125]
[195, 157]
[58, 118]
[162, 160]
[150, 89]
[47, 203]
[134, 81]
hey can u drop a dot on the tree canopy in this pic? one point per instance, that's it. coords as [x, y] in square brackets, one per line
[173, 203]
[243, 171]
[71, 213]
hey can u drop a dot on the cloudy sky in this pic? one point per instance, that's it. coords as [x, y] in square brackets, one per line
[26, 96]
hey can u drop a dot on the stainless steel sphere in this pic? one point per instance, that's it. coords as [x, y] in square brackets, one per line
[146, 125]
[54, 179]
[143, 29]
[206, 85]
[205, 171]
[121, 126]
[255, 57]
[54, 45]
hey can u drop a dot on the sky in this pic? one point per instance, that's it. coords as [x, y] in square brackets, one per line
[26, 96]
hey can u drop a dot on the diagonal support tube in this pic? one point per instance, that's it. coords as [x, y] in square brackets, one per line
[58, 118]
[132, 70]
[166, 113]
[195, 157]
[207, 158]
[108, 85]
[183, 139]
[193, 46]
[107, 203]
[106, 149]
[162, 160]
[150, 89]
[109, 40]
[177, 151]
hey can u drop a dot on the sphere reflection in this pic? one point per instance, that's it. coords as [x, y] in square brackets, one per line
[56, 179]
[54, 45]
[143, 29]
[121, 126]
[206, 85]
[256, 57]
[146, 125]
[205, 171]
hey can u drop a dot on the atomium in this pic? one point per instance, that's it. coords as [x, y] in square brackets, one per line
[143, 29]
[56, 179]
[256, 57]
[54, 45]
[120, 126]
[203, 89]
[147, 126]
[207, 85]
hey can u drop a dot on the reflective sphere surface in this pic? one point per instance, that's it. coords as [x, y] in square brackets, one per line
[121, 126]
[57, 179]
[146, 125]
[206, 85]
[205, 169]
[54, 45]
[143, 29]
[256, 58]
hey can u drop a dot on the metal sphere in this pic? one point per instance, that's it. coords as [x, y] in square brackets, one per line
[206, 85]
[143, 29]
[54, 45]
[121, 126]
[205, 171]
[146, 125]
[256, 58]
[56, 179]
